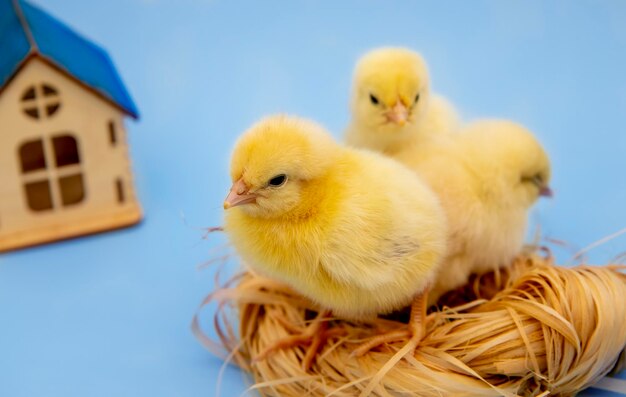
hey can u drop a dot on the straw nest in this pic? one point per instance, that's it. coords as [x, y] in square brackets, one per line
[538, 329]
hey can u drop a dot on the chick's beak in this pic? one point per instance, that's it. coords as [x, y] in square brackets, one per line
[398, 114]
[545, 191]
[239, 195]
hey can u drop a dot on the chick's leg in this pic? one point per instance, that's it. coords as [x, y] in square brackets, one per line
[314, 336]
[417, 320]
[415, 331]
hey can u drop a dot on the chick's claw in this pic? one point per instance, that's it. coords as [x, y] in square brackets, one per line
[314, 335]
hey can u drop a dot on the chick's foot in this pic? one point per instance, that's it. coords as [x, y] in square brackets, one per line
[314, 335]
[414, 332]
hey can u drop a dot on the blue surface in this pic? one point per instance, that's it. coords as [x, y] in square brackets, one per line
[109, 314]
[57, 43]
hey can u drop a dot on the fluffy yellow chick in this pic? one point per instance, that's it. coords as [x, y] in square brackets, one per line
[486, 176]
[392, 102]
[353, 231]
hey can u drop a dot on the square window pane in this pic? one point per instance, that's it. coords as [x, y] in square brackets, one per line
[72, 189]
[38, 195]
[32, 156]
[65, 150]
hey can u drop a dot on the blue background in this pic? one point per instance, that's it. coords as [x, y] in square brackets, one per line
[109, 314]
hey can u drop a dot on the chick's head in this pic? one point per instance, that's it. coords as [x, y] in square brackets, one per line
[526, 161]
[275, 166]
[391, 89]
[535, 175]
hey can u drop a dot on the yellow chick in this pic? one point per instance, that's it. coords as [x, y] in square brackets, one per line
[353, 231]
[487, 176]
[392, 102]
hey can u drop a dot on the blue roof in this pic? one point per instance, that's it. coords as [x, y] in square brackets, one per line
[26, 31]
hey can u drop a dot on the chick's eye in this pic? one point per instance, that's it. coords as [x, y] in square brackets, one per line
[536, 180]
[373, 99]
[278, 180]
[417, 98]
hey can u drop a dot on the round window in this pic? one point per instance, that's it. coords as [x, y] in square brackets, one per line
[40, 101]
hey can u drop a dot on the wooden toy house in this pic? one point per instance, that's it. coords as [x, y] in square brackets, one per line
[64, 163]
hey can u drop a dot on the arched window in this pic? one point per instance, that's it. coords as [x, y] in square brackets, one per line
[51, 171]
